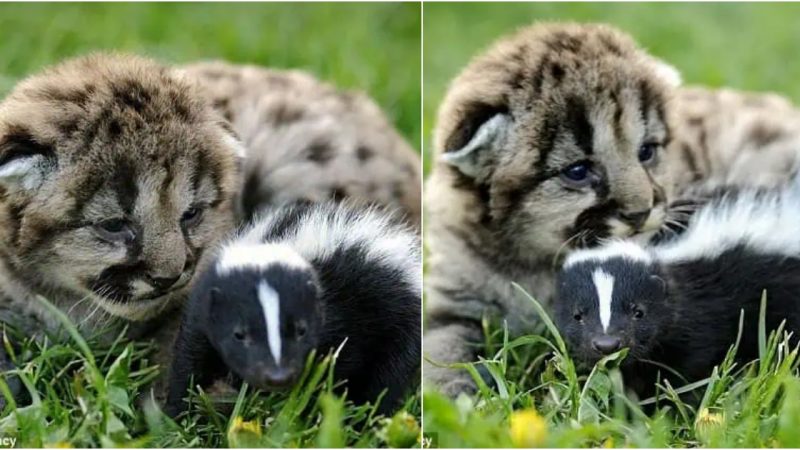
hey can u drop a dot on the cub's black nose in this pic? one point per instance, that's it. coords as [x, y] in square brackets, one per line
[606, 344]
[635, 219]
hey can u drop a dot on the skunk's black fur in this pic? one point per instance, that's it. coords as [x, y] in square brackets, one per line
[352, 290]
[679, 303]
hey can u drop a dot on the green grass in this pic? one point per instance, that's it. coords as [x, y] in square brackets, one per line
[752, 405]
[750, 46]
[86, 394]
[368, 46]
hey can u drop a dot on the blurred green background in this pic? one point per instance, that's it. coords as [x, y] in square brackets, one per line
[754, 46]
[368, 46]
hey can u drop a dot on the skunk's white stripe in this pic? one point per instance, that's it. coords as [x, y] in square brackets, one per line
[246, 254]
[270, 304]
[615, 249]
[604, 283]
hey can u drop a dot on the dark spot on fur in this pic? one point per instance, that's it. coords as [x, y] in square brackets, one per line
[474, 115]
[688, 158]
[537, 82]
[114, 129]
[338, 193]
[610, 45]
[183, 112]
[19, 142]
[285, 114]
[254, 195]
[68, 126]
[320, 152]
[695, 121]
[617, 116]
[131, 94]
[645, 99]
[398, 190]
[557, 72]
[78, 96]
[123, 182]
[578, 122]
[14, 217]
[762, 134]
[364, 153]
[563, 42]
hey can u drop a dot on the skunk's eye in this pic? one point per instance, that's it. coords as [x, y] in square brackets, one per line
[578, 317]
[239, 335]
[637, 312]
[300, 328]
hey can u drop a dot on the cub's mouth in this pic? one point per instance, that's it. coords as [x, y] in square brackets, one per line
[129, 296]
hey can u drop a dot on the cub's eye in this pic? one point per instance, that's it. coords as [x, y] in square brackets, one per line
[192, 216]
[637, 312]
[577, 174]
[578, 317]
[239, 335]
[115, 230]
[300, 328]
[647, 152]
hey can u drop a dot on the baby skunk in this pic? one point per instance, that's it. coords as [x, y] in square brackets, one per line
[307, 277]
[679, 303]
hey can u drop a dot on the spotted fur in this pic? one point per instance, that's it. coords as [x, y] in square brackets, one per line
[116, 177]
[726, 137]
[307, 140]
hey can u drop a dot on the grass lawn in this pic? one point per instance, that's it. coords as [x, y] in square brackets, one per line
[539, 399]
[84, 394]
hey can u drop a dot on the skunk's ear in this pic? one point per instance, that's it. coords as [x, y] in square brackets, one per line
[470, 147]
[25, 164]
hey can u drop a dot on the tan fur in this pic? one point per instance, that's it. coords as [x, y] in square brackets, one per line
[732, 137]
[112, 137]
[307, 140]
[507, 215]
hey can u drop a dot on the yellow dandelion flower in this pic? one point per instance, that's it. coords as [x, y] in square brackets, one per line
[608, 443]
[528, 429]
[707, 424]
[59, 444]
[244, 433]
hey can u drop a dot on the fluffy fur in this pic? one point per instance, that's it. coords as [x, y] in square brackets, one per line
[308, 141]
[316, 277]
[116, 177]
[680, 305]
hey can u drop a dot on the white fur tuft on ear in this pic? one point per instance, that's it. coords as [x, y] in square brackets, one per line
[26, 172]
[667, 72]
[234, 144]
[489, 136]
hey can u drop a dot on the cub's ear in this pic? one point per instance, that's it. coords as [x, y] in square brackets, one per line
[24, 163]
[236, 146]
[666, 72]
[470, 147]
